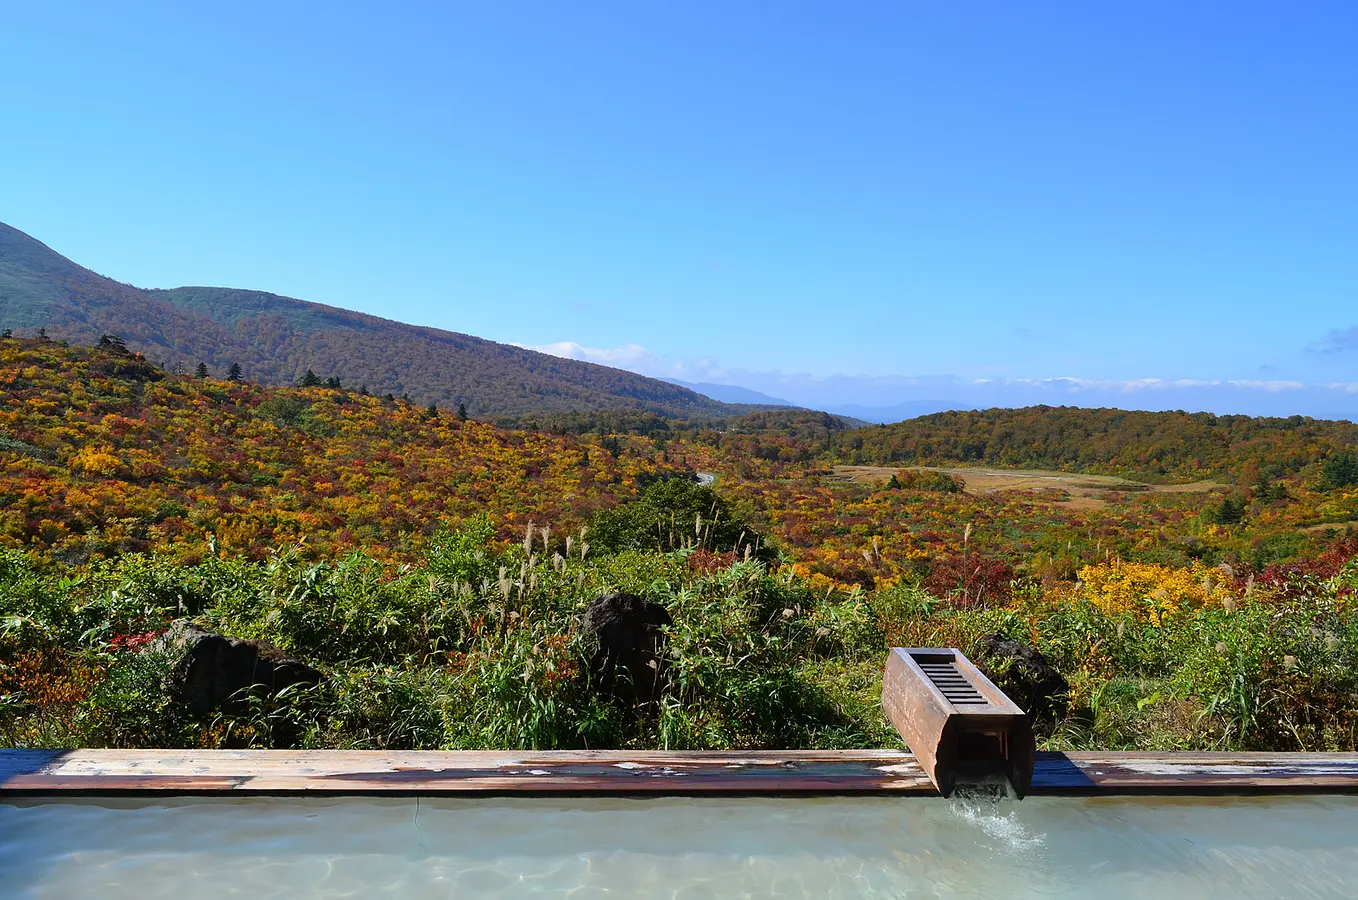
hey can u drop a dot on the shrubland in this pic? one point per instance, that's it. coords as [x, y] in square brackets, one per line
[480, 645]
[437, 572]
[103, 454]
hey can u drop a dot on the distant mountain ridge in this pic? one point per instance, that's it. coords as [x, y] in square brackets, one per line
[732, 393]
[276, 339]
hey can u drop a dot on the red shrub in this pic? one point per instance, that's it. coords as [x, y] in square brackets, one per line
[705, 562]
[132, 641]
[970, 580]
[1301, 577]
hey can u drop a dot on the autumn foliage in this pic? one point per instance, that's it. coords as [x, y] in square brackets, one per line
[436, 569]
[101, 454]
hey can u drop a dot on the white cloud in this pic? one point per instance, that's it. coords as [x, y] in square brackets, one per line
[625, 357]
[1272, 387]
[635, 358]
[897, 395]
[1133, 385]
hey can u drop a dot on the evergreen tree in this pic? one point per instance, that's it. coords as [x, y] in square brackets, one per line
[333, 383]
[201, 371]
[1270, 491]
[433, 411]
[1231, 511]
[234, 373]
[462, 412]
[1341, 471]
[112, 343]
[310, 379]
[6, 334]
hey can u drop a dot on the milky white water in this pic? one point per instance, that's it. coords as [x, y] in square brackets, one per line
[191, 848]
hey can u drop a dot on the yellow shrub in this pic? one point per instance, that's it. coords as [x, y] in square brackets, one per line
[98, 461]
[1152, 592]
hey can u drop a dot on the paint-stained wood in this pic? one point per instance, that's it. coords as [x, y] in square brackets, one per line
[658, 772]
[337, 771]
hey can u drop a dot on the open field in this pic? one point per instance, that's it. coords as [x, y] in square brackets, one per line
[1330, 527]
[1068, 488]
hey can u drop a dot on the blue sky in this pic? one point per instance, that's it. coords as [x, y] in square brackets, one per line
[842, 204]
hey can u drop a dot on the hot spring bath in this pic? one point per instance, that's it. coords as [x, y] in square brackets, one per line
[873, 846]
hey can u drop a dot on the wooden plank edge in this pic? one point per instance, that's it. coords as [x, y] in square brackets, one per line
[1194, 773]
[620, 773]
[566, 772]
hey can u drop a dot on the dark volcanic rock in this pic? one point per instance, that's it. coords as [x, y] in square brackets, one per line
[630, 658]
[215, 667]
[1025, 675]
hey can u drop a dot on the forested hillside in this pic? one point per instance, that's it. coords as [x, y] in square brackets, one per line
[1153, 445]
[275, 340]
[102, 453]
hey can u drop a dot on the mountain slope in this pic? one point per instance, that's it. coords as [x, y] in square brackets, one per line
[276, 339]
[103, 453]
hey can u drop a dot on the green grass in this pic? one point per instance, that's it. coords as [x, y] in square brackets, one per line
[482, 647]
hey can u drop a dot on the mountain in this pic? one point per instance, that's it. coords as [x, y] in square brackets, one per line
[275, 340]
[731, 393]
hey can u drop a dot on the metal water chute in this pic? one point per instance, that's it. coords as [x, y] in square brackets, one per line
[959, 725]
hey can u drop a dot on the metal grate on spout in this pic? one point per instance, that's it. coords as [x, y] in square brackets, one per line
[950, 681]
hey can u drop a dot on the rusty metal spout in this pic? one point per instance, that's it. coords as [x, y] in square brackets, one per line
[956, 721]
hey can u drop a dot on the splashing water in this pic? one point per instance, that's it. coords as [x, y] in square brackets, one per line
[990, 804]
[985, 786]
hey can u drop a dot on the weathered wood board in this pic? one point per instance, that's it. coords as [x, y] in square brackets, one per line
[638, 772]
[356, 772]
[1136, 772]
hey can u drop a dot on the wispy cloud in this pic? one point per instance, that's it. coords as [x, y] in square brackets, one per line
[1341, 340]
[636, 358]
[1134, 385]
[625, 357]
